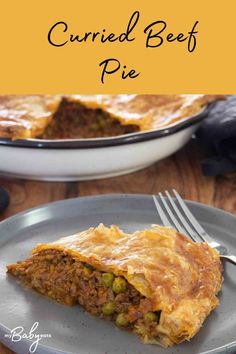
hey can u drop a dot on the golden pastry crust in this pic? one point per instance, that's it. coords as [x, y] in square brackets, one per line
[180, 278]
[28, 116]
[148, 112]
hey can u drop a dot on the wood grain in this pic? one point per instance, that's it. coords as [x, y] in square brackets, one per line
[181, 171]
[5, 350]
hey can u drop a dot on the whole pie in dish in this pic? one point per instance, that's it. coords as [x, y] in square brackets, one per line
[92, 116]
[156, 282]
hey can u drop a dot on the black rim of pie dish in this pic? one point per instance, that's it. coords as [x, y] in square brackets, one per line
[109, 141]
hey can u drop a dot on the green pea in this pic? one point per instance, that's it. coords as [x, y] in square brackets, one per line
[108, 308]
[88, 266]
[151, 316]
[119, 285]
[122, 320]
[94, 126]
[101, 122]
[87, 270]
[107, 279]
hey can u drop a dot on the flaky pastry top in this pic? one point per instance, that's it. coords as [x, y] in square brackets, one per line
[160, 263]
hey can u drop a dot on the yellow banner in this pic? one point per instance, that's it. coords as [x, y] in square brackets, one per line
[135, 46]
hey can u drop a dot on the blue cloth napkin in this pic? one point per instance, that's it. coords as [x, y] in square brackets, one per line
[4, 199]
[218, 133]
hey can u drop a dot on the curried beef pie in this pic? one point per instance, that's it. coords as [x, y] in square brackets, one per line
[92, 116]
[154, 282]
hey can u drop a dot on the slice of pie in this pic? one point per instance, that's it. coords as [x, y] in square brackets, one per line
[156, 282]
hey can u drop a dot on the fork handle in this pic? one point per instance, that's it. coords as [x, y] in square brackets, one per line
[231, 259]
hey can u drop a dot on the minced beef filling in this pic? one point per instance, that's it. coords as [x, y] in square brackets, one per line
[73, 120]
[69, 281]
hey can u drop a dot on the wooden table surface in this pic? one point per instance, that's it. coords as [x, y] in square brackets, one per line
[181, 171]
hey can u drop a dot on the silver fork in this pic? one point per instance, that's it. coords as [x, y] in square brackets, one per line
[174, 212]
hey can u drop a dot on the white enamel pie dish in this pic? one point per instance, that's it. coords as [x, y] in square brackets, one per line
[87, 159]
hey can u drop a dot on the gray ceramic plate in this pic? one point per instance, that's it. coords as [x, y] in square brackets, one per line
[73, 331]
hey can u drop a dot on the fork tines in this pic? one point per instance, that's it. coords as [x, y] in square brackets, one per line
[175, 212]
